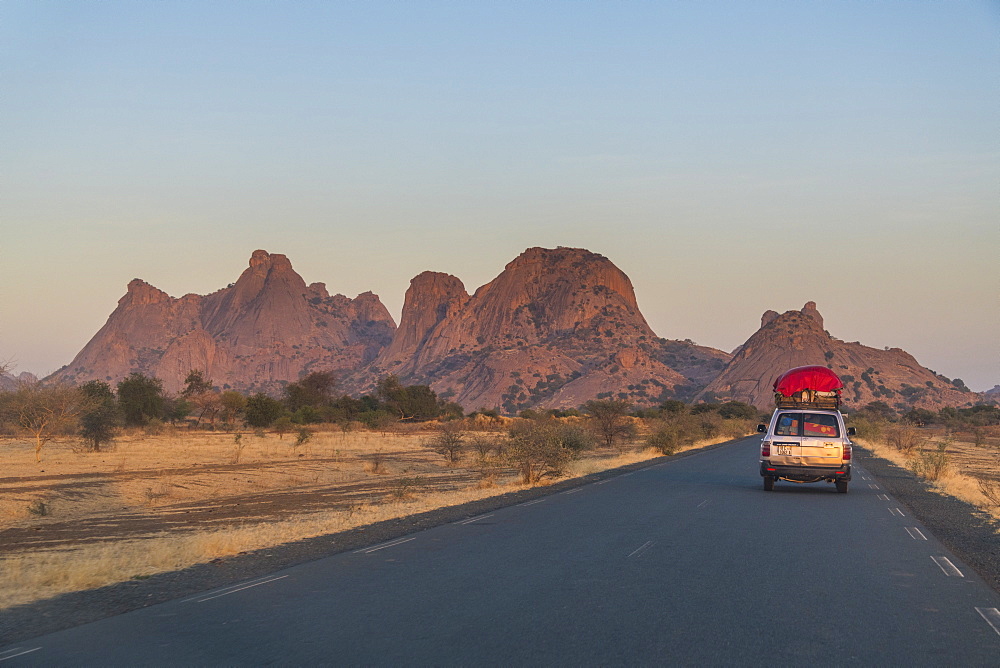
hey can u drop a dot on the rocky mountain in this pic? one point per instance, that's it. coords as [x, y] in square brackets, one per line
[9, 382]
[798, 338]
[556, 328]
[267, 327]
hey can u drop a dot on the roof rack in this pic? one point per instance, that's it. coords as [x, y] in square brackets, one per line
[807, 400]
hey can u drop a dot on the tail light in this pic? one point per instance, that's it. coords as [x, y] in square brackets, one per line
[765, 448]
[847, 453]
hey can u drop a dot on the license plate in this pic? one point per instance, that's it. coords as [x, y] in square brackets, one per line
[783, 449]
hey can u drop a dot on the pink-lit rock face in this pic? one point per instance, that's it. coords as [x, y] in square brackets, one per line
[797, 338]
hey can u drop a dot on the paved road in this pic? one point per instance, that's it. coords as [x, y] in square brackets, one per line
[687, 562]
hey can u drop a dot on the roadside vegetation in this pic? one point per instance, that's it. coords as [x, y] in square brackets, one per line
[957, 450]
[108, 468]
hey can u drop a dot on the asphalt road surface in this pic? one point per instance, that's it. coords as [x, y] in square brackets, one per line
[687, 562]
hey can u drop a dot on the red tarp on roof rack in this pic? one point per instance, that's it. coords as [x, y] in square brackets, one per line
[816, 378]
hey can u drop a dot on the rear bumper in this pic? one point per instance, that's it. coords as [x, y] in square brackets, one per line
[805, 472]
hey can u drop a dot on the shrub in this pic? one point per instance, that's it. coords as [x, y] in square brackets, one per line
[303, 436]
[902, 438]
[932, 464]
[449, 442]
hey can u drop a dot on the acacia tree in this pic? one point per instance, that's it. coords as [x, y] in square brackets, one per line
[44, 411]
[449, 441]
[610, 420]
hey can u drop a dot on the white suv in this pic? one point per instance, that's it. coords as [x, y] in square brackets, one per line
[806, 445]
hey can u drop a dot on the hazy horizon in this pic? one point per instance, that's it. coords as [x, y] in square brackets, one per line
[730, 157]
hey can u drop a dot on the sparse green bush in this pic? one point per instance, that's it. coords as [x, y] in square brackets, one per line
[932, 464]
[303, 436]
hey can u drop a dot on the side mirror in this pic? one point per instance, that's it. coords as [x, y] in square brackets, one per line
[851, 431]
[762, 428]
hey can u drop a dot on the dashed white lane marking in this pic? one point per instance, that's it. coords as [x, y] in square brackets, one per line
[239, 585]
[897, 512]
[573, 491]
[475, 519]
[864, 477]
[233, 591]
[949, 569]
[703, 503]
[391, 543]
[642, 548]
[992, 617]
[915, 533]
[604, 482]
[531, 503]
[20, 651]
[872, 485]
[883, 497]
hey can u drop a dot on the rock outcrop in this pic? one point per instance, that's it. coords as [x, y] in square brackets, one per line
[266, 328]
[556, 328]
[9, 382]
[797, 338]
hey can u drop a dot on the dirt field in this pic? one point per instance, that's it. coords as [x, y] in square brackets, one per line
[970, 472]
[79, 520]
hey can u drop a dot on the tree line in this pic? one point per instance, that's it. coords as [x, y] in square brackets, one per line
[96, 410]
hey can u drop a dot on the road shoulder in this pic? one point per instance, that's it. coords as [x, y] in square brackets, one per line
[971, 534]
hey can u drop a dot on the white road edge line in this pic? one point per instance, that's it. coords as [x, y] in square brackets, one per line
[240, 584]
[883, 497]
[257, 584]
[915, 533]
[703, 503]
[992, 617]
[602, 482]
[391, 543]
[573, 491]
[641, 548]
[873, 485]
[475, 519]
[531, 503]
[949, 569]
[896, 511]
[35, 649]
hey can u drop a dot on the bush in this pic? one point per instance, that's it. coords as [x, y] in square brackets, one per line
[902, 438]
[449, 442]
[538, 449]
[671, 434]
[932, 464]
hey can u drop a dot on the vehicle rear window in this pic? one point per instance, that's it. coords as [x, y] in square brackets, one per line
[817, 424]
[814, 425]
[788, 424]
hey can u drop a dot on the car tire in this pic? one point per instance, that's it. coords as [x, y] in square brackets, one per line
[768, 483]
[841, 486]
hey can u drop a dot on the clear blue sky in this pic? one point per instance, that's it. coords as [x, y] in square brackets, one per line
[730, 157]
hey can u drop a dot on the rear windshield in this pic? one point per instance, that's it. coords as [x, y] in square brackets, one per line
[807, 424]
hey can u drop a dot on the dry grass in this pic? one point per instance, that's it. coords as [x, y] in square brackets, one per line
[145, 474]
[953, 464]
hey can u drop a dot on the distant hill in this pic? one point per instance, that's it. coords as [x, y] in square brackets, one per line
[10, 382]
[267, 327]
[556, 328]
[797, 338]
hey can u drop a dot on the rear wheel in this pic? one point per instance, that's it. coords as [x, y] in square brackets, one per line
[841, 486]
[769, 483]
